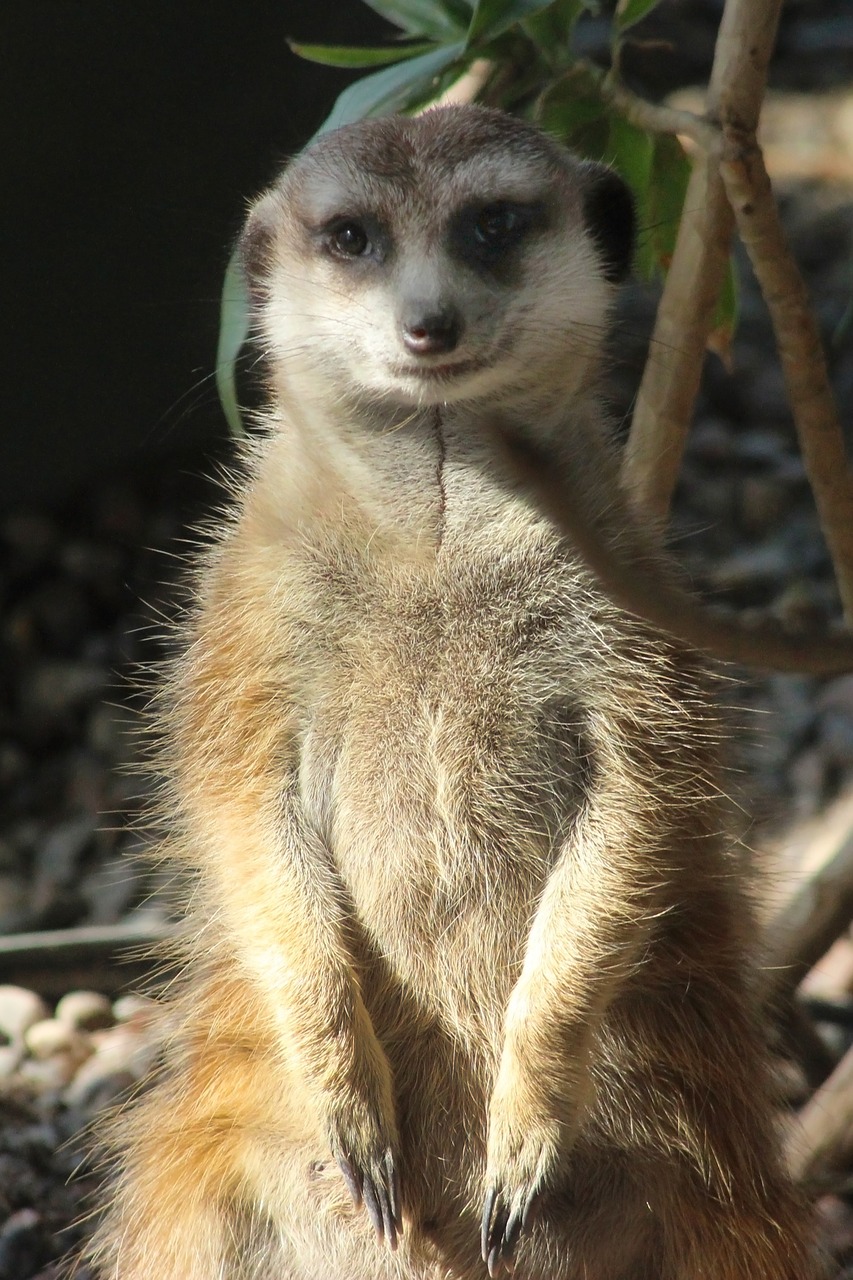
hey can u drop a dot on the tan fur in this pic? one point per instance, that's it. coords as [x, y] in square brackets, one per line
[462, 889]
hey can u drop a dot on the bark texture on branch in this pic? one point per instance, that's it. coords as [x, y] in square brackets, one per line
[823, 1136]
[800, 349]
[819, 910]
[674, 366]
[694, 280]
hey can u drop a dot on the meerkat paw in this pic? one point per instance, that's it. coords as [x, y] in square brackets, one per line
[523, 1155]
[366, 1154]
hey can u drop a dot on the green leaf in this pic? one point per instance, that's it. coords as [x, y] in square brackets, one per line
[629, 12]
[551, 29]
[631, 152]
[670, 175]
[233, 331]
[441, 19]
[334, 55]
[572, 111]
[492, 17]
[395, 88]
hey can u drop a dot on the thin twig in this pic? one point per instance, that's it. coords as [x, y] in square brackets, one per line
[822, 1137]
[800, 349]
[655, 118]
[668, 389]
[819, 910]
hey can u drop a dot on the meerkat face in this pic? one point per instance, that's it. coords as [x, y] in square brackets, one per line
[459, 255]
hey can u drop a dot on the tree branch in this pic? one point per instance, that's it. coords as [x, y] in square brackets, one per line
[822, 1137]
[694, 280]
[817, 912]
[800, 348]
[655, 118]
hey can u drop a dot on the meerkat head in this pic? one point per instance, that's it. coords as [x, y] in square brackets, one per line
[458, 255]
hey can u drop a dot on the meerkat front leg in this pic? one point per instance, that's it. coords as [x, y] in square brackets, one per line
[286, 906]
[591, 925]
[279, 899]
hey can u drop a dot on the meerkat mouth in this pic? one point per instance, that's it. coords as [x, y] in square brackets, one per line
[442, 372]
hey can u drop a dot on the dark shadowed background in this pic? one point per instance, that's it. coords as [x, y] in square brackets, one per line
[130, 135]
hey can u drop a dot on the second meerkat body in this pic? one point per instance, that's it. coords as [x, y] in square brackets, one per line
[468, 983]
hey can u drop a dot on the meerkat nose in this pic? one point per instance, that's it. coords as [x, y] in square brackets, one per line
[433, 334]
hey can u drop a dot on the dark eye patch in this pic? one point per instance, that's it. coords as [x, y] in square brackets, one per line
[486, 235]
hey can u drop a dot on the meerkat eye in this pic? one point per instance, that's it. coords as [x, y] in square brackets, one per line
[483, 235]
[497, 225]
[349, 240]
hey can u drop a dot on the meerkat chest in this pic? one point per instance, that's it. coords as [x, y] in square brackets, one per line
[448, 736]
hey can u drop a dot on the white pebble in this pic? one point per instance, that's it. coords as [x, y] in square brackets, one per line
[19, 1010]
[10, 1059]
[49, 1037]
[134, 1008]
[85, 1010]
[119, 1051]
[49, 1073]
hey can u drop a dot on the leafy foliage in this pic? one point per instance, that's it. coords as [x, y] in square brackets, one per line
[629, 12]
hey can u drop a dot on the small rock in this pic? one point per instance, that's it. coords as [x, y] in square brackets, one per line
[801, 606]
[10, 1059]
[837, 695]
[49, 1037]
[835, 1216]
[759, 446]
[763, 503]
[114, 731]
[836, 733]
[751, 568]
[49, 1075]
[20, 1009]
[121, 1050]
[92, 1091]
[22, 1244]
[85, 1011]
[711, 441]
[135, 1008]
[61, 686]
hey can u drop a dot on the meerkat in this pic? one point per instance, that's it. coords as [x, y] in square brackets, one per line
[468, 987]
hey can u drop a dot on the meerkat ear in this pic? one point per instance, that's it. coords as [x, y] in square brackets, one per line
[255, 245]
[608, 210]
